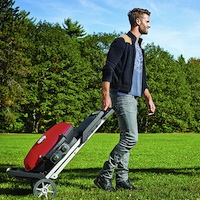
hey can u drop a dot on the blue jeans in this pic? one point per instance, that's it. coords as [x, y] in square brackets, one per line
[126, 111]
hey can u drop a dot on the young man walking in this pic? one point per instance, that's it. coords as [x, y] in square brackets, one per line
[123, 82]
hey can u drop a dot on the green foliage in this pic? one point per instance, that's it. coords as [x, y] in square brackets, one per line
[192, 71]
[14, 62]
[171, 92]
[67, 78]
[51, 73]
[73, 29]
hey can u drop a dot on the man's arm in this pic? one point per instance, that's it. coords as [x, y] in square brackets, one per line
[114, 55]
[106, 100]
[149, 101]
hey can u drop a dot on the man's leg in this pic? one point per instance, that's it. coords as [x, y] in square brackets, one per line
[126, 111]
[127, 118]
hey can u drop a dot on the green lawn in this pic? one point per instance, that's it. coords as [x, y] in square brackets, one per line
[165, 166]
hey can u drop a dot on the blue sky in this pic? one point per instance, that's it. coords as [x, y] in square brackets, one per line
[175, 24]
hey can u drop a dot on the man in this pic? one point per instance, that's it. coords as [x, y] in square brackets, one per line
[123, 82]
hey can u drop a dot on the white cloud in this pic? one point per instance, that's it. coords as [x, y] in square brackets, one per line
[174, 24]
[175, 42]
[94, 7]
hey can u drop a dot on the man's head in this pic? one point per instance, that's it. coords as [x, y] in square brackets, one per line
[140, 18]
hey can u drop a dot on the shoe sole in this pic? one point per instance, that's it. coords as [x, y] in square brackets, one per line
[121, 188]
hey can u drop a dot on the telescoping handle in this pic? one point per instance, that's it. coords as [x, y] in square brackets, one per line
[103, 114]
[92, 123]
[108, 113]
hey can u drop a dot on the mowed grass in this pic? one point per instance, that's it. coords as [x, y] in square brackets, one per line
[164, 166]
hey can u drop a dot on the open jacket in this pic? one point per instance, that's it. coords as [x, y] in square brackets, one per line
[119, 66]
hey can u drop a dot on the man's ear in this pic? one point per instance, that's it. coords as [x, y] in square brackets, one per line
[138, 21]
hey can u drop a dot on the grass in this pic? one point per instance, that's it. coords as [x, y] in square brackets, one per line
[165, 166]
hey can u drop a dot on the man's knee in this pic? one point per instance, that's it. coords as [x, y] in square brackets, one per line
[132, 143]
[129, 142]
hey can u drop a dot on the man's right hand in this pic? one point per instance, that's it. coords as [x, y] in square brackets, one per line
[106, 102]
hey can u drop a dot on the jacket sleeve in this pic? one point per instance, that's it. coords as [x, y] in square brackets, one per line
[114, 55]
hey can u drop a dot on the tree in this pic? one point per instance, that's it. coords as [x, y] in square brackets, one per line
[51, 73]
[192, 71]
[170, 91]
[73, 29]
[60, 85]
[14, 64]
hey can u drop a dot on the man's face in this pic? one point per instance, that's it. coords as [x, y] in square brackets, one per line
[144, 24]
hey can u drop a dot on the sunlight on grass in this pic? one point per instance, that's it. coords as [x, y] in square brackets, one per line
[165, 166]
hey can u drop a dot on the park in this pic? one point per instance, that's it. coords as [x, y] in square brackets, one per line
[51, 73]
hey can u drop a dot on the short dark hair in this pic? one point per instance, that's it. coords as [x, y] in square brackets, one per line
[136, 13]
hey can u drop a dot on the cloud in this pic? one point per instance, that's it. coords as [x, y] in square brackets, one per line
[175, 27]
[93, 7]
[175, 42]
[174, 24]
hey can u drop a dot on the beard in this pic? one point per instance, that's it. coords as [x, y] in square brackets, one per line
[143, 30]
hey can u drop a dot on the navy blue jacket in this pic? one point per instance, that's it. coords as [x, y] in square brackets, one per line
[119, 66]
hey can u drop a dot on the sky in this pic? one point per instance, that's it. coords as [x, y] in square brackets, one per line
[175, 24]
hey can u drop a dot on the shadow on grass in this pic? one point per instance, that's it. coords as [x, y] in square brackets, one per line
[174, 171]
[92, 172]
[10, 181]
[68, 175]
[88, 173]
[15, 191]
[3, 175]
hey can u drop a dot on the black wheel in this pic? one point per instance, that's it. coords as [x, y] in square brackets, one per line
[44, 188]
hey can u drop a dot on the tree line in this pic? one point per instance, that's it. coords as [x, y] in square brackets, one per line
[51, 73]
